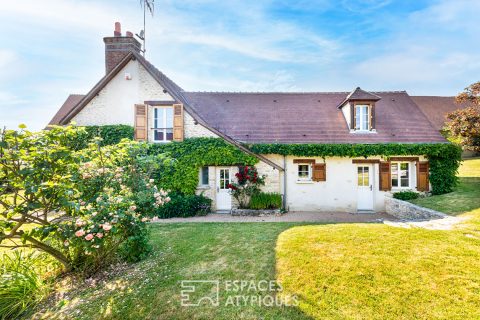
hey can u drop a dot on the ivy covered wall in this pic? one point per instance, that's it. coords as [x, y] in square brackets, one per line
[444, 158]
[181, 174]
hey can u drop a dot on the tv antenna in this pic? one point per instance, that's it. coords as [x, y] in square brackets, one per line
[146, 5]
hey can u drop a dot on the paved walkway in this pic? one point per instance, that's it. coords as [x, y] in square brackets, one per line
[289, 217]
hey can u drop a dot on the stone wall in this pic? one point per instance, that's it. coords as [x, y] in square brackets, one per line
[193, 130]
[409, 211]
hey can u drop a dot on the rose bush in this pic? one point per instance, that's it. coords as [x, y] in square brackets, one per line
[248, 183]
[81, 207]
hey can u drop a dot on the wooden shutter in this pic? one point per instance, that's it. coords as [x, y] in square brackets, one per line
[352, 115]
[372, 116]
[141, 122]
[422, 176]
[385, 176]
[178, 122]
[319, 172]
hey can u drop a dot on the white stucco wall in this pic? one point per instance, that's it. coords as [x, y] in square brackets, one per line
[347, 114]
[114, 104]
[339, 191]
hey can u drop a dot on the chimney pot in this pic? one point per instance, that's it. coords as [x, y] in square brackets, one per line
[118, 30]
[118, 46]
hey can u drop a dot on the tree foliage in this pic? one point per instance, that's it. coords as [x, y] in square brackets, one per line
[463, 125]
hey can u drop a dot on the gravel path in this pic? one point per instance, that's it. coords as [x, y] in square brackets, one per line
[288, 217]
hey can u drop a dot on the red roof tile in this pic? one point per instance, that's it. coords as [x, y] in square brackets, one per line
[67, 106]
[436, 108]
[309, 118]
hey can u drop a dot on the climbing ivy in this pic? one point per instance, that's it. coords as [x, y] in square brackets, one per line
[110, 134]
[182, 173]
[444, 158]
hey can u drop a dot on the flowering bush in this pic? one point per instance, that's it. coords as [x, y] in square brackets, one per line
[78, 206]
[248, 183]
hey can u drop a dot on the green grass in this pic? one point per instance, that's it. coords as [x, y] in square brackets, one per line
[465, 198]
[207, 251]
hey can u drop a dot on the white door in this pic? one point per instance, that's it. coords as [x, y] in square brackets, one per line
[365, 187]
[224, 199]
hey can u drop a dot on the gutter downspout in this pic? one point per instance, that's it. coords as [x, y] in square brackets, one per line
[285, 182]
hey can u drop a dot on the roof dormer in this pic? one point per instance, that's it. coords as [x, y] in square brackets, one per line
[358, 108]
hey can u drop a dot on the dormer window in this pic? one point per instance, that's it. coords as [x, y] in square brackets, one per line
[358, 108]
[362, 117]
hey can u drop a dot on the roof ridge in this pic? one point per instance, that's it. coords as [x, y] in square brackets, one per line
[288, 92]
[269, 92]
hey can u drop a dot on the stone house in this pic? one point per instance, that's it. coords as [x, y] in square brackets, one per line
[134, 92]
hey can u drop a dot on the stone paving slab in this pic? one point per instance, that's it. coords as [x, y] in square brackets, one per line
[318, 217]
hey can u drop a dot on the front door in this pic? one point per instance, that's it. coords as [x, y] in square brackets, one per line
[224, 199]
[365, 187]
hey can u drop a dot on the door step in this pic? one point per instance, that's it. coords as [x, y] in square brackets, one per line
[223, 211]
[366, 211]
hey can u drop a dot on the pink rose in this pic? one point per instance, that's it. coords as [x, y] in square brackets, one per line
[66, 243]
[79, 233]
[107, 227]
[99, 235]
[89, 237]
[79, 223]
[133, 208]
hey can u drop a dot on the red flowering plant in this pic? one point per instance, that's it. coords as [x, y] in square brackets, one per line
[248, 183]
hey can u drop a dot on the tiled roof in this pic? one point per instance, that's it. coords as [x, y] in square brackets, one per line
[309, 118]
[67, 106]
[436, 108]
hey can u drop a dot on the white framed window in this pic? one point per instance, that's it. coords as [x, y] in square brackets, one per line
[363, 176]
[203, 179]
[304, 172]
[163, 124]
[362, 117]
[401, 174]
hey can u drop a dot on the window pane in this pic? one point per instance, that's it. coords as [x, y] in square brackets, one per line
[169, 118]
[360, 176]
[365, 118]
[158, 135]
[394, 174]
[303, 171]
[204, 176]
[169, 134]
[357, 118]
[155, 116]
[159, 118]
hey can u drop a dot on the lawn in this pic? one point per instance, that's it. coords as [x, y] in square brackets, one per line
[337, 271]
[465, 198]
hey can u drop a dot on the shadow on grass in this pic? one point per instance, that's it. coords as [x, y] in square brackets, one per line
[152, 288]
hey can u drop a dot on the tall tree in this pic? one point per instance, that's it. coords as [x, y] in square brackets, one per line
[464, 124]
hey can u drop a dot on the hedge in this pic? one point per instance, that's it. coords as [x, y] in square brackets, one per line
[110, 134]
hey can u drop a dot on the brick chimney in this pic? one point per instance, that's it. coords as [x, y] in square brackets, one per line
[118, 46]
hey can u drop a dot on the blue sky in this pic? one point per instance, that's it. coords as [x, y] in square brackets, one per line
[51, 48]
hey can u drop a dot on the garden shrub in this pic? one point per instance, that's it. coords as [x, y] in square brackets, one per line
[265, 201]
[182, 205]
[248, 184]
[21, 286]
[406, 195]
[77, 206]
